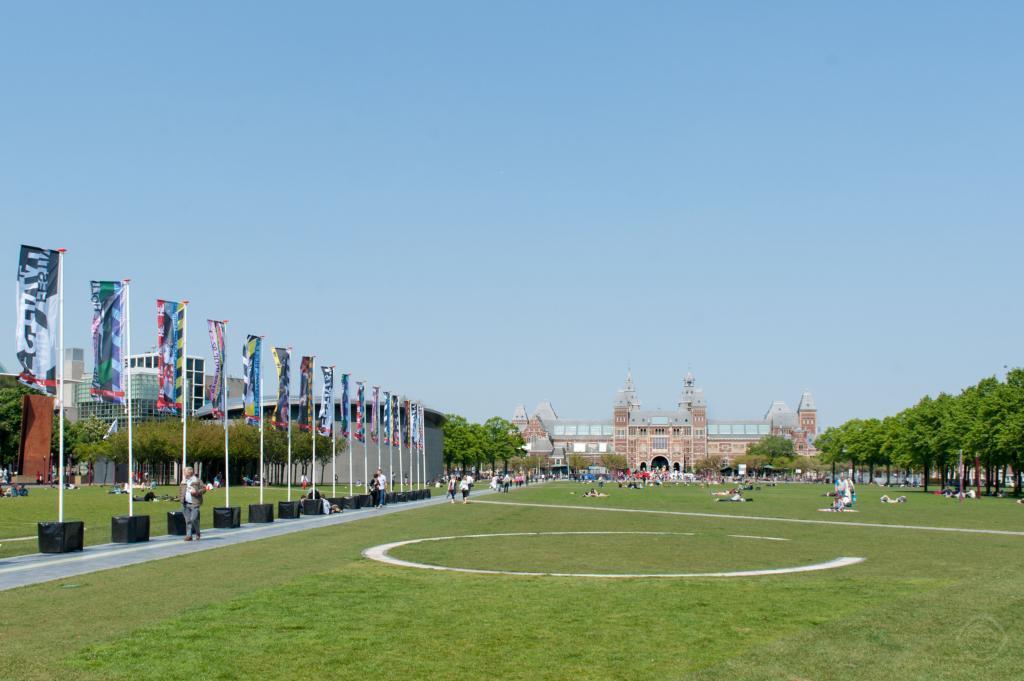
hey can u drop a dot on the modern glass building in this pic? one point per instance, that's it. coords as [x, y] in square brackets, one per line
[145, 385]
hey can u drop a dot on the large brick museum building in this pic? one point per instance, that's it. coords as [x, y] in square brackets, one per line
[670, 439]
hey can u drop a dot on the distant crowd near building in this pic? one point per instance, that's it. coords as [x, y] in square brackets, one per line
[663, 439]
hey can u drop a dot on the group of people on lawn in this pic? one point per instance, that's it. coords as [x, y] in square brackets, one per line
[457, 484]
[502, 483]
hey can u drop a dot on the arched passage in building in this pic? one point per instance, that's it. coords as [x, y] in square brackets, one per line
[675, 466]
[659, 462]
[643, 465]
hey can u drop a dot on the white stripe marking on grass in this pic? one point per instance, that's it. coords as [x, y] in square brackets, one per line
[751, 536]
[695, 514]
[380, 553]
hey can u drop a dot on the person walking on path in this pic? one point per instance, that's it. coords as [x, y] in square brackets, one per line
[383, 487]
[191, 495]
[464, 487]
[375, 490]
[453, 486]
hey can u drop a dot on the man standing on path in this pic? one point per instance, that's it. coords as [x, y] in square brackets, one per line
[191, 494]
[383, 487]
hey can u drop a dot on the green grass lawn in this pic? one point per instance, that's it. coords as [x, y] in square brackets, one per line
[923, 605]
[95, 506]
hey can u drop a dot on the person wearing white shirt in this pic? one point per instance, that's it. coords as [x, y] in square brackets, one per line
[190, 493]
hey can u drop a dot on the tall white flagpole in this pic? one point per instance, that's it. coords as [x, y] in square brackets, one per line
[312, 418]
[334, 443]
[348, 423]
[224, 416]
[366, 454]
[414, 477]
[289, 400]
[391, 441]
[128, 387]
[184, 384]
[376, 422]
[60, 381]
[259, 405]
[421, 418]
[401, 488]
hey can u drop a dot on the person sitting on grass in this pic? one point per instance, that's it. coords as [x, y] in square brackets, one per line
[594, 493]
[886, 499]
[727, 493]
[735, 497]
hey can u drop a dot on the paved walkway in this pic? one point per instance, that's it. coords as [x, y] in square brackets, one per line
[44, 567]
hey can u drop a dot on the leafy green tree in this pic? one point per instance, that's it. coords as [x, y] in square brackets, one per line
[614, 462]
[10, 422]
[577, 462]
[775, 450]
[503, 440]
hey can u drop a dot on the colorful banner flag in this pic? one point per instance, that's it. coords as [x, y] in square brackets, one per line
[215, 391]
[346, 406]
[375, 414]
[423, 427]
[35, 329]
[306, 393]
[107, 329]
[359, 398]
[395, 423]
[282, 410]
[415, 418]
[326, 420]
[386, 424]
[170, 345]
[252, 380]
[407, 424]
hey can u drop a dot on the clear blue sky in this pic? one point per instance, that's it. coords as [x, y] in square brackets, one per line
[483, 203]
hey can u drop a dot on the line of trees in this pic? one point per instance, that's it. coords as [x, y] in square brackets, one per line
[470, 445]
[157, 443]
[985, 420]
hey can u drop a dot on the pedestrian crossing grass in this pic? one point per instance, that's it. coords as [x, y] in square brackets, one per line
[923, 605]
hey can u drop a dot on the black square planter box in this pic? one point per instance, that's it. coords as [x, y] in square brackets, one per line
[128, 529]
[402, 497]
[176, 523]
[364, 501]
[349, 502]
[312, 507]
[61, 537]
[288, 510]
[227, 517]
[261, 513]
[426, 494]
[336, 501]
[390, 497]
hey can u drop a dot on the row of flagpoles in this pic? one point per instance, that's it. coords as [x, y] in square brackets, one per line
[39, 335]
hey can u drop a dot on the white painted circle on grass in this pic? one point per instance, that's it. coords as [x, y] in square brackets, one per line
[380, 553]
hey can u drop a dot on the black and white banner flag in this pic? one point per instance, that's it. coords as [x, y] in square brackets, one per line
[325, 423]
[36, 326]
